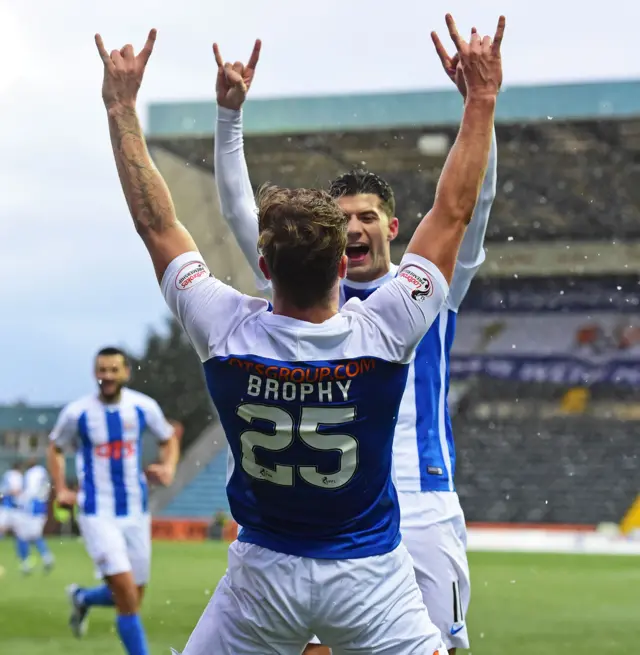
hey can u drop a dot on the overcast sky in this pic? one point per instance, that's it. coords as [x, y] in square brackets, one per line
[75, 275]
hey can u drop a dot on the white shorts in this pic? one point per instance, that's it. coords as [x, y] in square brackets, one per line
[272, 603]
[434, 532]
[7, 519]
[28, 527]
[118, 544]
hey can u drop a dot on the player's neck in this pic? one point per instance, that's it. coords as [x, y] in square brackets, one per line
[111, 400]
[372, 275]
[318, 314]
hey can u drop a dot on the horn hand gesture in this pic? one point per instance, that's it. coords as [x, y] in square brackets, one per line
[234, 80]
[479, 60]
[123, 72]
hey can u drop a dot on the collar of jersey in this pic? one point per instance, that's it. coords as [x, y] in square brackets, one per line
[372, 284]
[288, 322]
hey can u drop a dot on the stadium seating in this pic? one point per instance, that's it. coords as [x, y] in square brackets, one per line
[567, 470]
[205, 494]
[557, 179]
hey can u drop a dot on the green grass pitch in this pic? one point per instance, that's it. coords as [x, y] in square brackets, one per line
[521, 604]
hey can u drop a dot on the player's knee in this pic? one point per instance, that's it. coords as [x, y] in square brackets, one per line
[126, 595]
[316, 649]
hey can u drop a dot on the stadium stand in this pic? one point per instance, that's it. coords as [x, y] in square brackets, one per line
[205, 494]
[554, 170]
[567, 470]
[23, 432]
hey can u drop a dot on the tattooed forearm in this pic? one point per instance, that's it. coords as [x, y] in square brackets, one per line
[146, 193]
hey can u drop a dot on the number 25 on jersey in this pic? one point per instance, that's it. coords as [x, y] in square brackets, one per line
[285, 431]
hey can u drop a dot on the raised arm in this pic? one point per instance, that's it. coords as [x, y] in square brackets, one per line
[471, 254]
[145, 190]
[439, 235]
[237, 201]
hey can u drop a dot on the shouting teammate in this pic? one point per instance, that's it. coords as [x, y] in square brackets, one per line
[432, 521]
[308, 395]
[31, 516]
[106, 430]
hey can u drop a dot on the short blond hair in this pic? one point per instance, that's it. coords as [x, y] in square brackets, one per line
[303, 237]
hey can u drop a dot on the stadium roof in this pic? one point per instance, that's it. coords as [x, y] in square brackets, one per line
[393, 110]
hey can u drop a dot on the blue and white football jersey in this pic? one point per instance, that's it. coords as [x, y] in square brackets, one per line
[107, 439]
[424, 450]
[309, 410]
[10, 486]
[34, 499]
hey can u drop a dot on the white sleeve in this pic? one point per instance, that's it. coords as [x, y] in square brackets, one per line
[206, 308]
[404, 308]
[156, 421]
[65, 431]
[234, 188]
[471, 254]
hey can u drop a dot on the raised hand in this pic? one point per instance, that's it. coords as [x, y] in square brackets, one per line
[451, 65]
[476, 68]
[123, 72]
[234, 80]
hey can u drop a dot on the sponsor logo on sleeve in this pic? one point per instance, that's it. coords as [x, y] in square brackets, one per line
[190, 274]
[418, 281]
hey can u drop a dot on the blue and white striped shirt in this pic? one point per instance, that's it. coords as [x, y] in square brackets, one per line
[107, 439]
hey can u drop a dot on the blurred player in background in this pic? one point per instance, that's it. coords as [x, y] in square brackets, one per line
[433, 525]
[31, 517]
[308, 395]
[10, 488]
[105, 430]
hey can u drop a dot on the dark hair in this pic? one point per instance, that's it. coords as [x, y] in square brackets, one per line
[303, 236]
[110, 351]
[360, 181]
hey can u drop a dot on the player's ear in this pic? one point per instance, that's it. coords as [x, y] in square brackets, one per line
[394, 225]
[262, 263]
[342, 267]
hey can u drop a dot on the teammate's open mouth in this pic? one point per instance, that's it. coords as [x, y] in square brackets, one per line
[357, 252]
